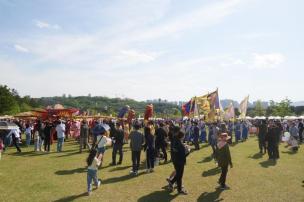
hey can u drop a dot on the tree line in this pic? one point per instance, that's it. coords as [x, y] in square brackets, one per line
[12, 103]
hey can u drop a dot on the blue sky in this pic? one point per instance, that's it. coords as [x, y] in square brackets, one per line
[145, 49]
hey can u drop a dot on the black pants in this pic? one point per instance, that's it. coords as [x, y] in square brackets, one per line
[179, 169]
[150, 158]
[135, 160]
[16, 143]
[222, 179]
[262, 145]
[117, 147]
[273, 150]
[196, 144]
[163, 148]
[47, 143]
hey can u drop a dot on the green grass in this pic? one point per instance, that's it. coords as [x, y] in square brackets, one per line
[33, 176]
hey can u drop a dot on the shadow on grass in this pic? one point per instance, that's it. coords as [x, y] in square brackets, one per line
[68, 154]
[119, 168]
[268, 163]
[70, 172]
[289, 152]
[211, 172]
[29, 153]
[71, 198]
[120, 179]
[206, 159]
[163, 195]
[256, 156]
[210, 196]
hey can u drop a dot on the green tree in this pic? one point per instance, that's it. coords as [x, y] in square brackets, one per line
[259, 109]
[8, 102]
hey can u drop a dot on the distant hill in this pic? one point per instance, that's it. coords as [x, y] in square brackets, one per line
[297, 104]
[107, 106]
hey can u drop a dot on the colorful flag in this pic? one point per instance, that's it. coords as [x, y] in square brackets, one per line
[213, 99]
[229, 112]
[188, 107]
[243, 107]
[203, 104]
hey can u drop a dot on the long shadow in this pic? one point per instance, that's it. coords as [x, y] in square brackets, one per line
[206, 159]
[68, 154]
[289, 152]
[256, 156]
[119, 179]
[268, 163]
[163, 195]
[210, 196]
[211, 172]
[70, 172]
[71, 198]
[29, 153]
[119, 168]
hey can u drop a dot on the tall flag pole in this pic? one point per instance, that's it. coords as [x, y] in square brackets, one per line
[243, 107]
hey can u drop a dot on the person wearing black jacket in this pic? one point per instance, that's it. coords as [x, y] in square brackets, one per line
[179, 160]
[47, 136]
[261, 136]
[272, 139]
[160, 140]
[149, 147]
[118, 138]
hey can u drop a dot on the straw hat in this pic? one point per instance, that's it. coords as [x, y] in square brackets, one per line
[225, 135]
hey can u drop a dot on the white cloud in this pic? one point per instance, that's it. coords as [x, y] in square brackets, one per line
[21, 48]
[136, 57]
[43, 24]
[267, 61]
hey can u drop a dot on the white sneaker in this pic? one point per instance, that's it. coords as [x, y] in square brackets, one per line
[99, 183]
[148, 170]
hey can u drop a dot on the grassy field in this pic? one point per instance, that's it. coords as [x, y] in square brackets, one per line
[31, 176]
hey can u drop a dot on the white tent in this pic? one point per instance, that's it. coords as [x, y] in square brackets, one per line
[271, 117]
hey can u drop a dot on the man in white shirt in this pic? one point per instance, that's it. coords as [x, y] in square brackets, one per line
[60, 129]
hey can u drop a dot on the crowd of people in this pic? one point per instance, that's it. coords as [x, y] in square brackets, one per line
[155, 138]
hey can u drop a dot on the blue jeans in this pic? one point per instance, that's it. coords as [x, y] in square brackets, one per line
[60, 144]
[92, 175]
[28, 139]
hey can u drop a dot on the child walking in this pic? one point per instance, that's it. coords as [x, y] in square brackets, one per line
[93, 162]
[224, 159]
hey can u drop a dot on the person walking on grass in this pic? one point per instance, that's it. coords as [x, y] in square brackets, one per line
[28, 134]
[47, 136]
[149, 147]
[261, 136]
[84, 134]
[223, 157]
[179, 154]
[93, 163]
[136, 142]
[160, 141]
[118, 140]
[60, 128]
